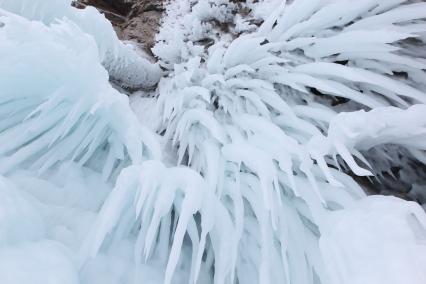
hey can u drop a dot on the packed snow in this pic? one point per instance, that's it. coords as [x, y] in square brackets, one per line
[244, 154]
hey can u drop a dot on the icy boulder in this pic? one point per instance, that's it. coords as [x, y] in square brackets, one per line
[19, 219]
[44, 262]
[377, 240]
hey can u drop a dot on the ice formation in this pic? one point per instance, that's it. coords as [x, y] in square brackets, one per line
[245, 164]
[122, 61]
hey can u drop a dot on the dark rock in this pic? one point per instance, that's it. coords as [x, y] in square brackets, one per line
[135, 20]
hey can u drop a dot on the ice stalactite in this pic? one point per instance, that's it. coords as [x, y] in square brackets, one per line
[57, 104]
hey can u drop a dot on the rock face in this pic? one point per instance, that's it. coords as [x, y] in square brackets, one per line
[135, 20]
[143, 22]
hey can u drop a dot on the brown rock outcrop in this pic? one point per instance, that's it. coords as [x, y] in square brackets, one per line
[135, 20]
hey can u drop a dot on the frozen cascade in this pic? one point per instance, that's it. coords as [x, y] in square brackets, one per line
[243, 166]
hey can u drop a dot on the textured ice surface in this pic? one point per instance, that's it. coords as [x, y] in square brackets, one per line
[122, 61]
[245, 165]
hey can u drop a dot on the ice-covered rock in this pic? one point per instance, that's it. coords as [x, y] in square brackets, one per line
[45, 262]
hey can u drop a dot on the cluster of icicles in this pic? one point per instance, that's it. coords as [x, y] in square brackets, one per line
[258, 163]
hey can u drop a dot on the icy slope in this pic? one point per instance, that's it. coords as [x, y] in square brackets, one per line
[243, 166]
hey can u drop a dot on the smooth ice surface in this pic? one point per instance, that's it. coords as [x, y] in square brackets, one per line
[378, 229]
[17, 208]
[43, 262]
